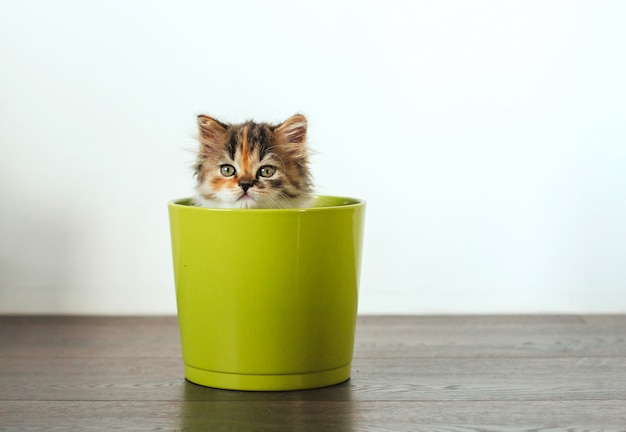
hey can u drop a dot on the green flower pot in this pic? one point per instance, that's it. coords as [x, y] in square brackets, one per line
[267, 298]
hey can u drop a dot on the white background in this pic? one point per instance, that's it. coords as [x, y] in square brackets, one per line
[488, 138]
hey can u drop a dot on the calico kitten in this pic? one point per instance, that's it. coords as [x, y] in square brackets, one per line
[253, 165]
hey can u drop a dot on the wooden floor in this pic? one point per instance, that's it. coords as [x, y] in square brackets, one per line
[485, 373]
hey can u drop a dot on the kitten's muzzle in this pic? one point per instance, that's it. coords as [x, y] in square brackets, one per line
[246, 185]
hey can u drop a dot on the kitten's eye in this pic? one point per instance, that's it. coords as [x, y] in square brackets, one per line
[267, 171]
[227, 170]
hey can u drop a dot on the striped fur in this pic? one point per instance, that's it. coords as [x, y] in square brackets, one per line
[253, 165]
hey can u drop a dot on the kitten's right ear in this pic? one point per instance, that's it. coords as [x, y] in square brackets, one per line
[212, 132]
[292, 130]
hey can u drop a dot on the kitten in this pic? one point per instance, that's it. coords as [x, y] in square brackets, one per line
[253, 165]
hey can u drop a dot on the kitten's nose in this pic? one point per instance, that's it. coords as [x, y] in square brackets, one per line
[245, 186]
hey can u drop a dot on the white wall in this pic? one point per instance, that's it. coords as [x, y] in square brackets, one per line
[488, 137]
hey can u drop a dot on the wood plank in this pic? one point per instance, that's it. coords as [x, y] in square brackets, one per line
[384, 336]
[80, 336]
[491, 336]
[372, 379]
[436, 416]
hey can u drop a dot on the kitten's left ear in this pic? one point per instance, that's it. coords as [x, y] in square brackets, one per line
[212, 131]
[292, 130]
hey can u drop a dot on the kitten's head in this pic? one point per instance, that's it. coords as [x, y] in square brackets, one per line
[253, 165]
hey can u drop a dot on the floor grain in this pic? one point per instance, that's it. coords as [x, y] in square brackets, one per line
[448, 373]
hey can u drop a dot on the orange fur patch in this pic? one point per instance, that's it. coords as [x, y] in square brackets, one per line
[219, 182]
[245, 151]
